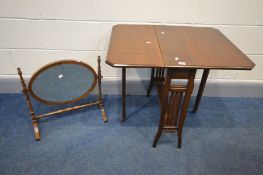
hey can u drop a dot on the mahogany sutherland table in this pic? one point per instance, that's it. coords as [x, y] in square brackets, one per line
[179, 49]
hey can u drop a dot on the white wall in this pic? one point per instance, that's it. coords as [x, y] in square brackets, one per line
[33, 33]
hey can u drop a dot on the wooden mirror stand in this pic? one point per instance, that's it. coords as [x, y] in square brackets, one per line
[29, 92]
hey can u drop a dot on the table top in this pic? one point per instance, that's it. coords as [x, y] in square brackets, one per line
[174, 46]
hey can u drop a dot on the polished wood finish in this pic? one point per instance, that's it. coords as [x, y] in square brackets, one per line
[173, 46]
[158, 46]
[174, 102]
[134, 46]
[157, 74]
[50, 65]
[67, 109]
[30, 106]
[199, 47]
[180, 49]
[151, 82]
[100, 99]
[201, 89]
[123, 117]
[35, 118]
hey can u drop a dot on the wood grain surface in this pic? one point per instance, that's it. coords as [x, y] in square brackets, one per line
[174, 46]
[199, 47]
[134, 46]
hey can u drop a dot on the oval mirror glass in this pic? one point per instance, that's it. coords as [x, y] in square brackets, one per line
[62, 82]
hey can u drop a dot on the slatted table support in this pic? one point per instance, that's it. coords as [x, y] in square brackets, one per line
[157, 74]
[182, 48]
[174, 101]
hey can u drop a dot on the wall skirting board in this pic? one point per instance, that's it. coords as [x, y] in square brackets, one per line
[136, 86]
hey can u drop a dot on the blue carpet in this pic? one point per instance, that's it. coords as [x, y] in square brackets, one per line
[224, 137]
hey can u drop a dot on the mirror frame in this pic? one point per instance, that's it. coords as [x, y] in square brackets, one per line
[52, 64]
